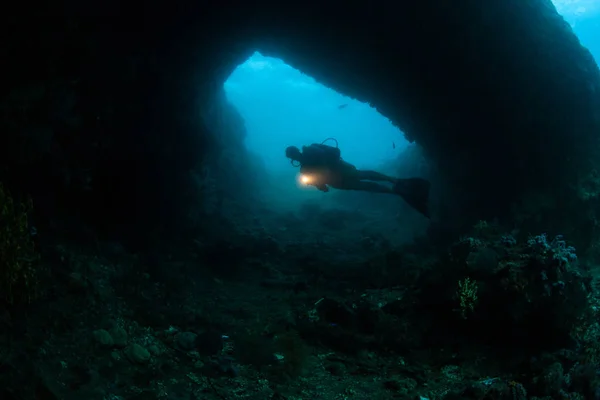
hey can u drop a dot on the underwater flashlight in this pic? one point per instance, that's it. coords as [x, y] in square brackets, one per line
[305, 179]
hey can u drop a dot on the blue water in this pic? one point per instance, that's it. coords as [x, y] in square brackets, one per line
[584, 18]
[284, 107]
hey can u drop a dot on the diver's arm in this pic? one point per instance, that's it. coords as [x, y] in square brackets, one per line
[322, 187]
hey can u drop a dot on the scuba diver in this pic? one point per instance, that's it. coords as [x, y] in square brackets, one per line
[322, 166]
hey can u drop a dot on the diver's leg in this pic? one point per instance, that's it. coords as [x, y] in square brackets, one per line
[415, 191]
[374, 176]
[367, 186]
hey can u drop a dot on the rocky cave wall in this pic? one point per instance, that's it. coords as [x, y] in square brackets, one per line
[500, 94]
[105, 105]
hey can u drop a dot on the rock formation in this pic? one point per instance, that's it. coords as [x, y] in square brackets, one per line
[106, 107]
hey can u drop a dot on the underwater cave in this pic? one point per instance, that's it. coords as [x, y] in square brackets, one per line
[480, 87]
[281, 107]
[145, 249]
[502, 98]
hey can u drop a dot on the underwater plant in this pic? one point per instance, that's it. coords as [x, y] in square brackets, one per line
[18, 256]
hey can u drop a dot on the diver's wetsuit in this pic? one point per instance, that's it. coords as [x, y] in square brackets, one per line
[345, 176]
[339, 174]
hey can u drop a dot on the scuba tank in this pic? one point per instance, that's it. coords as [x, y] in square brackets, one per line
[320, 154]
[332, 153]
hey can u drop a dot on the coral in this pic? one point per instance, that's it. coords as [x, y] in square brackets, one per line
[18, 257]
[588, 187]
[518, 289]
[557, 248]
[467, 296]
[508, 240]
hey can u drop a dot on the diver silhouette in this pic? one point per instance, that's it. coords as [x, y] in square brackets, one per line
[321, 166]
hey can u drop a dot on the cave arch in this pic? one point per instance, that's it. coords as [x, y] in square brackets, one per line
[500, 94]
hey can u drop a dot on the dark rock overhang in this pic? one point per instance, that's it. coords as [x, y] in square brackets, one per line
[499, 93]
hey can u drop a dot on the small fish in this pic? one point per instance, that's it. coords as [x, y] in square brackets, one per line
[393, 145]
[342, 106]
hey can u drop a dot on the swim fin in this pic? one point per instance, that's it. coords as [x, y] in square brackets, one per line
[415, 191]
